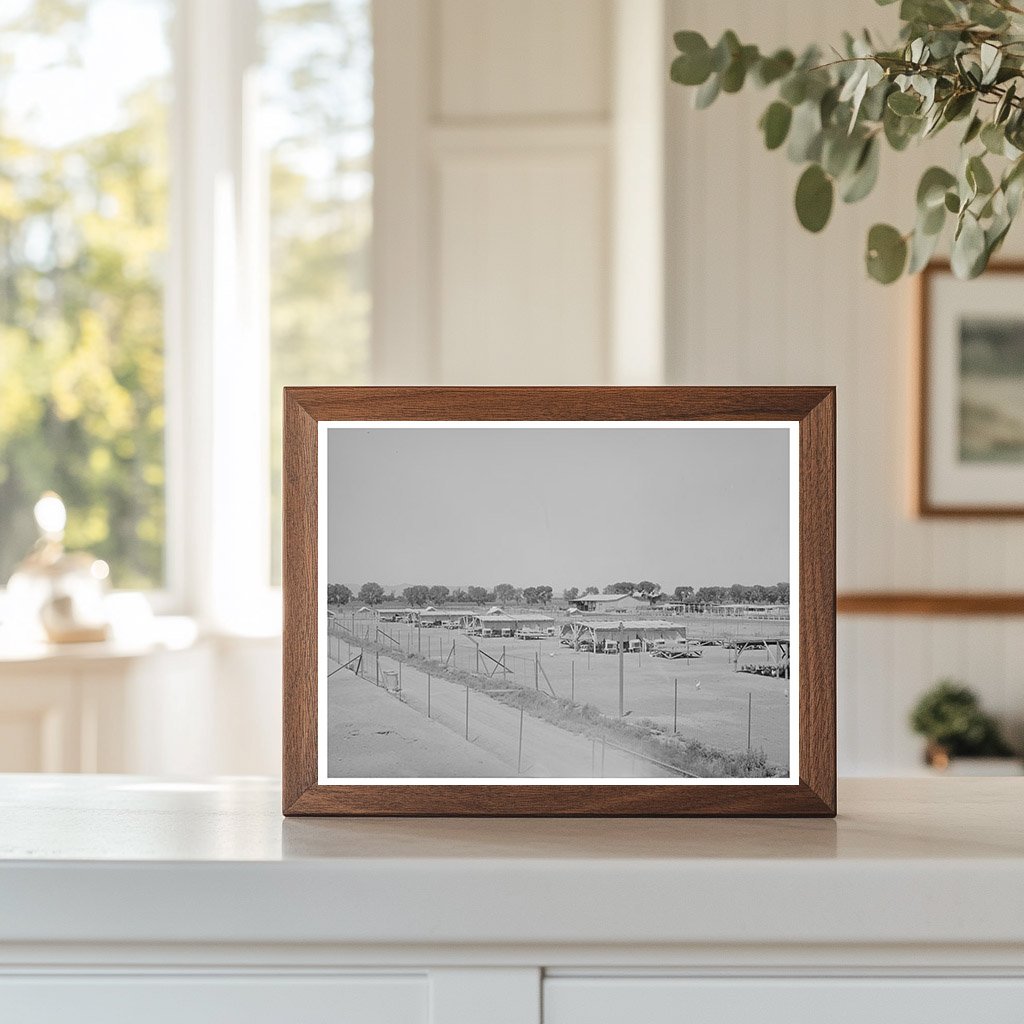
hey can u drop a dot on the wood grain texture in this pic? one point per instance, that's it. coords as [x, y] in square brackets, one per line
[814, 408]
[299, 594]
[925, 603]
[923, 503]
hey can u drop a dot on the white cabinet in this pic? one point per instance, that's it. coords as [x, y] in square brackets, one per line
[134, 900]
[202, 999]
[823, 1000]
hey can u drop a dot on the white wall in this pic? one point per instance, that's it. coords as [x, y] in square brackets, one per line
[754, 299]
[501, 142]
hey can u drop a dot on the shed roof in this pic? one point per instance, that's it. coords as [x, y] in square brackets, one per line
[634, 624]
[503, 617]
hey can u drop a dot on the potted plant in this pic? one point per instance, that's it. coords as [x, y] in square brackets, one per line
[956, 62]
[950, 718]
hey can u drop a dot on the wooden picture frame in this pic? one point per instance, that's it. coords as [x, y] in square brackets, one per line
[940, 488]
[807, 413]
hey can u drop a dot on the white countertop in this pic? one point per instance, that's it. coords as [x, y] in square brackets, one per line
[120, 859]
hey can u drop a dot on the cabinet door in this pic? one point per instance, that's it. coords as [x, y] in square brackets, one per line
[203, 999]
[783, 1000]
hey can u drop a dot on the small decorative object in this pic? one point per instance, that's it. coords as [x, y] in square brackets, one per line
[60, 594]
[416, 683]
[958, 65]
[950, 717]
[970, 451]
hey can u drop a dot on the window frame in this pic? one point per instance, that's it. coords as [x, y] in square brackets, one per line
[216, 340]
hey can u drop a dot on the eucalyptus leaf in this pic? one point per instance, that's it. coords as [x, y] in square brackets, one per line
[1005, 105]
[840, 152]
[922, 247]
[886, 253]
[775, 124]
[707, 93]
[991, 60]
[735, 74]
[958, 105]
[771, 69]
[978, 176]
[865, 174]
[973, 130]
[993, 138]
[690, 69]
[873, 107]
[900, 130]
[987, 15]
[805, 133]
[814, 196]
[931, 190]
[794, 88]
[904, 103]
[968, 254]
[724, 51]
[932, 221]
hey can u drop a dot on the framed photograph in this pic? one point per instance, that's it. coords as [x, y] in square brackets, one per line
[559, 601]
[970, 450]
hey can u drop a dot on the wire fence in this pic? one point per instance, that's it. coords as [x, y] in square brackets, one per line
[705, 699]
[529, 746]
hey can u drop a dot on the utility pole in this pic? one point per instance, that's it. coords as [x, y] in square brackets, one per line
[622, 686]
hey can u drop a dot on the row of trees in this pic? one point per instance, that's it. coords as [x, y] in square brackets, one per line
[505, 593]
[738, 593]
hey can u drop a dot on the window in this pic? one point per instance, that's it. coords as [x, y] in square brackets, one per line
[83, 235]
[185, 222]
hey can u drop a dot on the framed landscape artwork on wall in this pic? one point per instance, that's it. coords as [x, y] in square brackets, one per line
[970, 450]
[572, 601]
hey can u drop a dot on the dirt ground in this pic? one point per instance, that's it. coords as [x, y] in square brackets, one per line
[371, 734]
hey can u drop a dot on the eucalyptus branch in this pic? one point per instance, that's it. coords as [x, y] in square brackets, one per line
[955, 61]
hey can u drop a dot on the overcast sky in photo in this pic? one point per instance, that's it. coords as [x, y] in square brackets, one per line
[562, 507]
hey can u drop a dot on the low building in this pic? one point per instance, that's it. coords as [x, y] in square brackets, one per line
[452, 617]
[611, 603]
[500, 623]
[630, 634]
[774, 612]
[395, 614]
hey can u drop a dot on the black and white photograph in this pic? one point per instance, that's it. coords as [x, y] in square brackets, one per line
[531, 602]
[992, 389]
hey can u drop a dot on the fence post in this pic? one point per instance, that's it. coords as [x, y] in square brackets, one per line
[536, 671]
[622, 686]
[376, 667]
[675, 705]
[399, 676]
[750, 699]
[428, 695]
[467, 711]
[519, 759]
